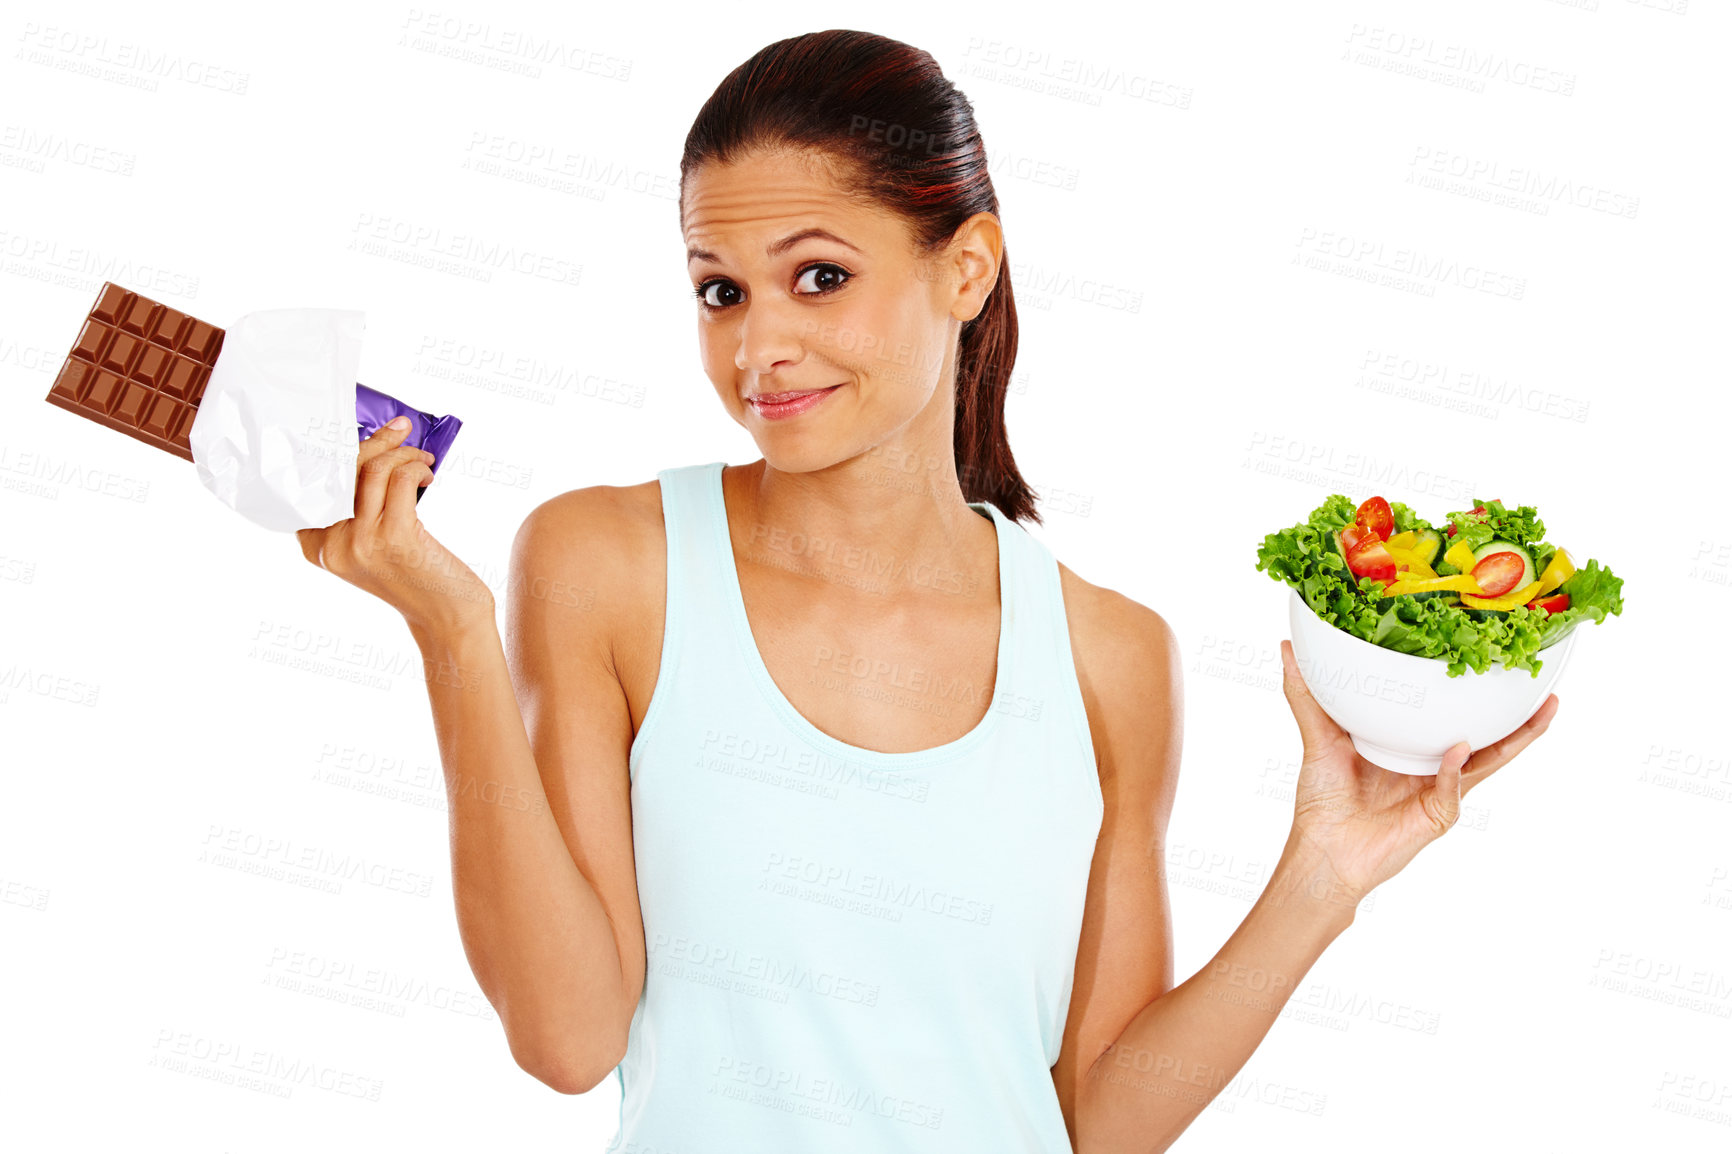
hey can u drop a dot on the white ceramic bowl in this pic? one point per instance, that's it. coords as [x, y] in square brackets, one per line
[1404, 711]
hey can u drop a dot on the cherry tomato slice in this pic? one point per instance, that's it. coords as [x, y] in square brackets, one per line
[1556, 603]
[1497, 573]
[1375, 517]
[1370, 559]
[1351, 535]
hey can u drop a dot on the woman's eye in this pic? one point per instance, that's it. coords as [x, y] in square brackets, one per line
[703, 293]
[833, 277]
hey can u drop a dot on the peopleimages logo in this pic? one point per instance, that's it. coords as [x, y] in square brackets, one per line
[729, 967]
[735, 752]
[237, 1063]
[462, 254]
[1369, 259]
[1326, 681]
[122, 61]
[1426, 58]
[798, 1084]
[1530, 188]
[892, 894]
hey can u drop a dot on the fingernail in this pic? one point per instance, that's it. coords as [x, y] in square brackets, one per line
[398, 422]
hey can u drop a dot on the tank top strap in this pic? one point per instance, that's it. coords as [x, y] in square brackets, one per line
[695, 614]
[1045, 676]
[686, 512]
[696, 585]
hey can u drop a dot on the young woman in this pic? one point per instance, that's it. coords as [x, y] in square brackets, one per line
[813, 796]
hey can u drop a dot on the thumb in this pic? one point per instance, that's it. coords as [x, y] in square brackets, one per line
[1315, 726]
[1442, 802]
[312, 544]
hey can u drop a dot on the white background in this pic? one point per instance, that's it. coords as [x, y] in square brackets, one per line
[1206, 212]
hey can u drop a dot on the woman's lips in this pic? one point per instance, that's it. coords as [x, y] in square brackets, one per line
[780, 406]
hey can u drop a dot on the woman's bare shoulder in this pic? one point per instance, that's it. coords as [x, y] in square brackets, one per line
[1131, 675]
[600, 545]
[604, 526]
[1108, 629]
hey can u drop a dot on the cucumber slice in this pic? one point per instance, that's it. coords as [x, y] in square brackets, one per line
[1340, 546]
[1428, 543]
[1428, 594]
[1486, 614]
[1529, 573]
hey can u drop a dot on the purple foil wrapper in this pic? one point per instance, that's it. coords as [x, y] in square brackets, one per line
[374, 410]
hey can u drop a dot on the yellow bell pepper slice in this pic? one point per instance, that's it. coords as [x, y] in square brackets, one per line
[1408, 566]
[1407, 540]
[1460, 556]
[1558, 570]
[1462, 583]
[1511, 600]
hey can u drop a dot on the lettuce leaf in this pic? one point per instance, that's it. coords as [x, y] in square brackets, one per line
[1521, 525]
[1304, 557]
[1594, 593]
[1406, 518]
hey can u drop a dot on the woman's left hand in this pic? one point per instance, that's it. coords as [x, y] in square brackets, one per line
[1365, 822]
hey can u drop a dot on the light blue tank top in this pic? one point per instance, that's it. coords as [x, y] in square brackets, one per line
[851, 951]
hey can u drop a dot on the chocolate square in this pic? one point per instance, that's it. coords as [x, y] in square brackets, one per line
[139, 367]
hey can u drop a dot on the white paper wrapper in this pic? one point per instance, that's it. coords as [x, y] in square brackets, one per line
[275, 437]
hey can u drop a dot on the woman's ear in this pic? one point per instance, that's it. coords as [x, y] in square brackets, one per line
[975, 252]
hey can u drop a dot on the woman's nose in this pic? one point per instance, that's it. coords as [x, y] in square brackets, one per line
[768, 337]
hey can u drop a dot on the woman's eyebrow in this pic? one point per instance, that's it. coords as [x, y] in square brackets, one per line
[776, 248]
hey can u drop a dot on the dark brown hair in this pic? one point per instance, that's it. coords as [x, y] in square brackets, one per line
[907, 136]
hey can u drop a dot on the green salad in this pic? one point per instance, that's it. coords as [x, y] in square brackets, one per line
[1484, 588]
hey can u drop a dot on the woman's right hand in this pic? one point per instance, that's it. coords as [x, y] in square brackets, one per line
[385, 549]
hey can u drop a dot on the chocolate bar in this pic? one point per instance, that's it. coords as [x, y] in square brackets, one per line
[139, 367]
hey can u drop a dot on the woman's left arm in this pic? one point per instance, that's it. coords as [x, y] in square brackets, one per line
[1142, 1058]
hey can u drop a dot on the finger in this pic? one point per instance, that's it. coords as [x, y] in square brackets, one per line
[1442, 802]
[1494, 756]
[383, 439]
[400, 515]
[312, 544]
[373, 480]
[1316, 728]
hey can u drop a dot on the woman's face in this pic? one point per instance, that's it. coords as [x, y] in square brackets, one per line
[858, 313]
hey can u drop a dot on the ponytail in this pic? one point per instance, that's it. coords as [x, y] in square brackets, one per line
[984, 463]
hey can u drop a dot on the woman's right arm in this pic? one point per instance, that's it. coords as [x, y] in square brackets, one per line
[535, 750]
[535, 739]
